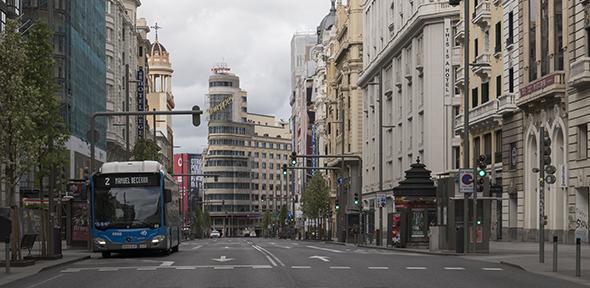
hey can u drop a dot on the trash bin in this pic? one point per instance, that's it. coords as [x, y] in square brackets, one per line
[459, 241]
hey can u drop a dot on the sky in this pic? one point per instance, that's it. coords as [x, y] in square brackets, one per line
[252, 36]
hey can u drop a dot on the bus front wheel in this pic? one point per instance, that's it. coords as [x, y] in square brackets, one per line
[106, 254]
[175, 248]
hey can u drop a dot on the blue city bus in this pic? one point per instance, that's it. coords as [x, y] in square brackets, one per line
[135, 207]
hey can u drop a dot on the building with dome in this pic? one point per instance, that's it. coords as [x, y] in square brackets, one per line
[160, 98]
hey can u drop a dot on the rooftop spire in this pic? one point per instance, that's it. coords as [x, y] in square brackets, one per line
[156, 27]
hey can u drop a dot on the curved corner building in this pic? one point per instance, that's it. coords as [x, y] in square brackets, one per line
[229, 199]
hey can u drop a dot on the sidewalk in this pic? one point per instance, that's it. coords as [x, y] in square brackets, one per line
[525, 255]
[70, 255]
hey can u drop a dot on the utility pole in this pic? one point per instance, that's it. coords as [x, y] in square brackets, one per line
[466, 157]
[380, 158]
[542, 195]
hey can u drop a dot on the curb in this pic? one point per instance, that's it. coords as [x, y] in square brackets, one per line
[78, 259]
[412, 251]
[513, 265]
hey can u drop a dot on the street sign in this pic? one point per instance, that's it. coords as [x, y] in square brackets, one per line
[381, 201]
[466, 181]
[339, 180]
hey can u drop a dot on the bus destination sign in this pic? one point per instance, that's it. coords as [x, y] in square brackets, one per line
[127, 180]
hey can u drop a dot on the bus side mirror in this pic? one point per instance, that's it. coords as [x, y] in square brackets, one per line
[167, 196]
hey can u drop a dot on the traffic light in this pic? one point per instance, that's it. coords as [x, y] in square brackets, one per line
[546, 149]
[196, 117]
[454, 2]
[482, 165]
[356, 198]
[293, 158]
[337, 205]
[284, 169]
[481, 174]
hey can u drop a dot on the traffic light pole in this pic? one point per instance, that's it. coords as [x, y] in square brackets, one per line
[466, 123]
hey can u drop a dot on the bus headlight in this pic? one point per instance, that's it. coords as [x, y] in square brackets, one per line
[100, 241]
[158, 239]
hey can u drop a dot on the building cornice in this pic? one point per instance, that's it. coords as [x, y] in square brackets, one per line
[425, 15]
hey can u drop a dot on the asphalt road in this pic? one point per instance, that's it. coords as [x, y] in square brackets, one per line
[248, 262]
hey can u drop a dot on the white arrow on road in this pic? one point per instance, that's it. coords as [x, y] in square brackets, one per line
[323, 258]
[222, 259]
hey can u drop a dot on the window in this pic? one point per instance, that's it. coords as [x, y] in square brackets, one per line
[498, 86]
[544, 37]
[510, 39]
[485, 92]
[583, 141]
[2, 20]
[558, 34]
[532, 40]
[487, 147]
[476, 147]
[476, 47]
[498, 152]
[498, 37]
[456, 157]
[511, 80]
[474, 97]
[271, 156]
[263, 165]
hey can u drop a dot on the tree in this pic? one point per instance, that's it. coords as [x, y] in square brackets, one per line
[146, 150]
[197, 226]
[283, 215]
[266, 221]
[316, 197]
[206, 222]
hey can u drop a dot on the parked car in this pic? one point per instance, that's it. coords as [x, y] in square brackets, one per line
[215, 234]
[252, 234]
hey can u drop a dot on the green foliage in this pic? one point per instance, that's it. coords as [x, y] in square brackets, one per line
[316, 197]
[31, 128]
[283, 215]
[266, 221]
[146, 150]
[198, 226]
[206, 222]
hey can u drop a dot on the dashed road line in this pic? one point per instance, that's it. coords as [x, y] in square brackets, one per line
[108, 269]
[147, 268]
[46, 280]
[300, 267]
[325, 249]
[454, 268]
[415, 268]
[196, 247]
[378, 268]
[492, 269]
[185, 267]
[339, 267]
[224, 268]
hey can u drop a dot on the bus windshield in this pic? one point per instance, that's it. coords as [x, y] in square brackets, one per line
[127, 207]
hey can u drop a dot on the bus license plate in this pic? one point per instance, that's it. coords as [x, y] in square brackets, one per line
[129, 246]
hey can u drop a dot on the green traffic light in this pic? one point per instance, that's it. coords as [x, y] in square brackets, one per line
[478, 222]
[482, 173]
[356, 202]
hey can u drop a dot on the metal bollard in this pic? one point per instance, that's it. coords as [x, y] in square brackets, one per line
[578, 248]
[7, 256]
[555, 253]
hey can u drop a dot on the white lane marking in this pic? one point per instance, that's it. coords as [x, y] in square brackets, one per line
[196, 247]
[339, 267]
[325, 249]
[415, 268]
[223, 267]
[108, 269]
[323, 258]
[262, 267]
[267, 257]
[273, 256]
[166, 263]
[492, 269]
[185, 267]
[222, 259]
[70, 270]
[378, 268]
[147, 268]
[454, 268]
[46, 280]
[300, 267]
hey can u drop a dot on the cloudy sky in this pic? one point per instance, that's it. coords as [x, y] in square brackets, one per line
[252, 36]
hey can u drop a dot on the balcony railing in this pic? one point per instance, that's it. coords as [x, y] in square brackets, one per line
[460, 34]
[507, 104]
[580, 73]
[552, 85]
[484, 114]
[483, 67]
[483, 13]
[460, 81]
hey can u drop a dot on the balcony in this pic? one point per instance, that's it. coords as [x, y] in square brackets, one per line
[460, 31]
[580, 74]
[551, 86]
[482, 65]
[507, 104]
[483, 14]
[457, 55]
[482, 116]
[460, 75]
